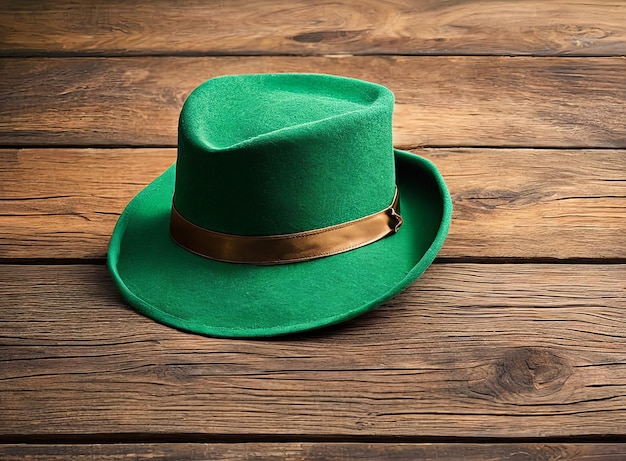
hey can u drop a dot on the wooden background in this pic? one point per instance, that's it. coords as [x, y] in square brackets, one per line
[512, 345]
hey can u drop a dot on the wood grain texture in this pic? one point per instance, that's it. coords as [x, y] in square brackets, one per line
[520, 105]
[441, 101]
[469, 350]
[316, 452]
[50, 196]
[564, 27]
[508, 203]
[535, 203]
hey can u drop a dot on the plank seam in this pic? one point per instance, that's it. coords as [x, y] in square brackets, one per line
[83, 439]
[439, 260]
[216, 54]
[88, 145]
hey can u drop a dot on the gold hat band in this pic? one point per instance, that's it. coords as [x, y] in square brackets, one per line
[285, 248]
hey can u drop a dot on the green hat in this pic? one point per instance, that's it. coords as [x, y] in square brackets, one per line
[282, 212]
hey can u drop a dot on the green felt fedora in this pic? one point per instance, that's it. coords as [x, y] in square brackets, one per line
[287, 210]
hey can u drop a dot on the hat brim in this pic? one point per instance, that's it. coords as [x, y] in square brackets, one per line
[175, 287]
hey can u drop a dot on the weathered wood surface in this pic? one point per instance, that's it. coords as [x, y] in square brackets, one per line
[441, 101]
[122, 27]
[508, 203]
[509, 350]
[521, 106]
[316, 451]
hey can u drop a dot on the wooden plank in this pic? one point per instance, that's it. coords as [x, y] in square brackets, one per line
[535, 203]
[578, 27]
[315, 451]
[441, 101]
[508, 203]
[469, 350]
[64, 203]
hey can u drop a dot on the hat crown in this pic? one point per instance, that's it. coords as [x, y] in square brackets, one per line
[281, 153]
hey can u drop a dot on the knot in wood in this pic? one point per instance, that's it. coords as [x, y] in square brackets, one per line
[329, 36]
[531, 372]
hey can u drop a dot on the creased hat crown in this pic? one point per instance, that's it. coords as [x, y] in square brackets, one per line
[282, 153]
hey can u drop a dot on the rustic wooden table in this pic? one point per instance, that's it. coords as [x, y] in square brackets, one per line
[513, 344]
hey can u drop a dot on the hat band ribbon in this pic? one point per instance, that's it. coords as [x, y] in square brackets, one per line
[285, 248]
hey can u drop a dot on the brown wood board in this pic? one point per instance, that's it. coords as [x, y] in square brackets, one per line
[320, 451]
[122, 27]
[469, 350]
[511, 346]
[440, 101]
[508, 203]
